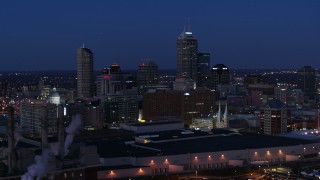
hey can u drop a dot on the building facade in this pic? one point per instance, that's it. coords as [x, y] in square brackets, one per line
[203, 71]
[85, 85]
[111, 80]
[274, 118]
[185, 104]
[307, 80]
[120, 107]
[90, 111]
[35, 114]
[147, 74]
[220, 75]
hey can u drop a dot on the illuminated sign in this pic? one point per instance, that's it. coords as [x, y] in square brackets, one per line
[188, 33]
[107, 77]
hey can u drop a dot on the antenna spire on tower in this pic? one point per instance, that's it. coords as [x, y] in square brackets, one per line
[188, 24]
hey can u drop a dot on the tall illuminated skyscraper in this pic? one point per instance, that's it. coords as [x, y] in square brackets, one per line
[187, 54]
[85, 83]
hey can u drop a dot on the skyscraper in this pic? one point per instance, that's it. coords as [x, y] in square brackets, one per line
[85, 84]
[187, 55]
[203, 71]
[220, 75]
[307, 80]
[111, 80]
[147, 74]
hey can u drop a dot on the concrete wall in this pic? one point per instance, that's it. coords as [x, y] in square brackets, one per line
[235, 163]
[175, 168]
[292, 158]
[122, 173]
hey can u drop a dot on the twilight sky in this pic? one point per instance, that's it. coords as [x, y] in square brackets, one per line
[44, 35]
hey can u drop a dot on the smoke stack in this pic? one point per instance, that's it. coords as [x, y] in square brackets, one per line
[44, 128]
[11, 149]
[61, 131]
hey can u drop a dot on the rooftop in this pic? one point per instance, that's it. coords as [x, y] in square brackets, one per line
[275, 104]
[177, 142]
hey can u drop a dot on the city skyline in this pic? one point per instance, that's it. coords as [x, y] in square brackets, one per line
[246, 34]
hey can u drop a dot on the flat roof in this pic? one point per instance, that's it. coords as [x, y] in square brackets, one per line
[225, 143]
[153, 123]
[173, 142]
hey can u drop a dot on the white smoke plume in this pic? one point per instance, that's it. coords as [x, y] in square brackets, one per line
[71, 130]
[43, 167]
[17, 137]
[54, 148]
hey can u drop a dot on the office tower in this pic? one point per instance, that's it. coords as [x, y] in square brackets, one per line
[121, 107]
[110, 80]
[34, 112]
[147, 74]
[85, 85]
[187, 55]
[220, 75]
[274, 117]
[307, 80]
[203, 71]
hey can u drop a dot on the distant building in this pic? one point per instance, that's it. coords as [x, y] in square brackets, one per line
[253, 79]
[203, 70]
[183, 84]
[111, 80]
[295, 96]
[34, 113]
[307, 80]
[90, 111]
[3, 87]
[186, 104]
[162, 103]
[187, 55]
[260, 94]
[121, 107]
[85, 85]
[281, 94]
[147, 74]
[220, 75]
[202, 123]
[54, 97]
[274, 117]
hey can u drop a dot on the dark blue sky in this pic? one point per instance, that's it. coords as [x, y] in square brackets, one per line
[44, 35]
